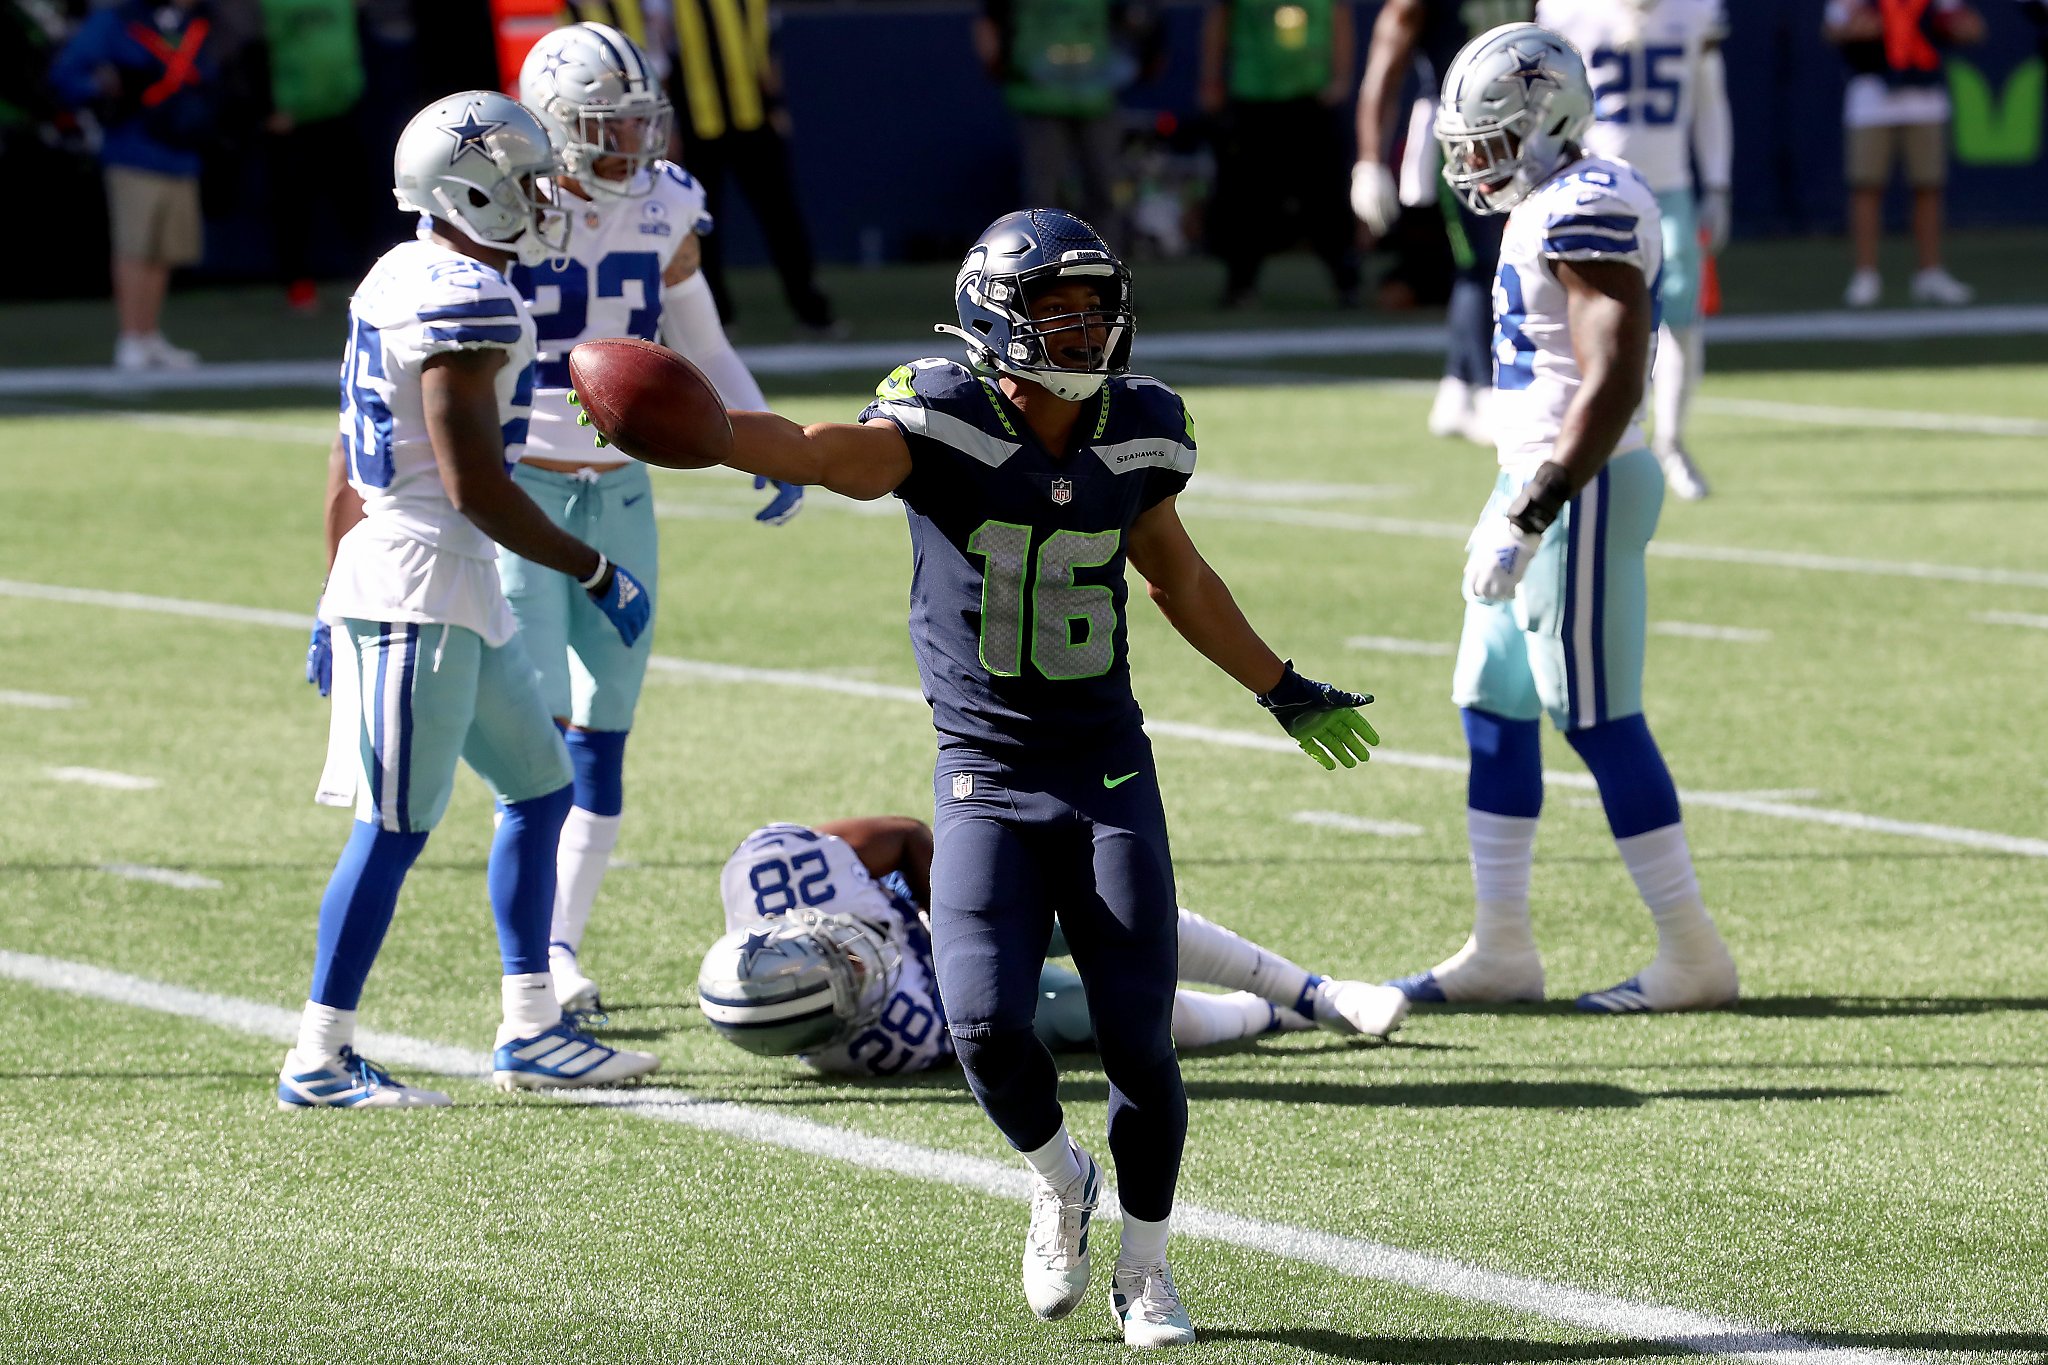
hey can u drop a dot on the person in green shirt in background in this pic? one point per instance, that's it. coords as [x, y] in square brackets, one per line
[1278, 74]
[311, 71]
[1061, 64]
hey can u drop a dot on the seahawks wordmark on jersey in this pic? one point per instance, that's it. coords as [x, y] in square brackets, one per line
[608, 285]
[780, 868]
[1592, 210]
[1644, 63]
[413, 557]
[1017, 591]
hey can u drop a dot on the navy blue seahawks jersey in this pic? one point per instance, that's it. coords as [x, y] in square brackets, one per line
[1017, 594]
[1450, 24]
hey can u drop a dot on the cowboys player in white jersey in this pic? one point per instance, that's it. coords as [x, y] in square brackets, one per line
[787, 888]
[1555, 584]
[1660, 99]
[630, 270]
[414, 636]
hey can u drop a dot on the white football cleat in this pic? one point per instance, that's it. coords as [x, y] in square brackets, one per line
[1470, 977]
[1056, 1247]
[1360, 1007]
[348, 1082]
[169, 357]
[1705, 982]
[1866, 287]
[1936, 285]
[1451, 407]
[574, 992]
[1681, 475]
[1147, 1306]
[133, 353]
[565, 1058]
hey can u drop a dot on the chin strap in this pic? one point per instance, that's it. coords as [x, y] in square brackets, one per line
[982, 356]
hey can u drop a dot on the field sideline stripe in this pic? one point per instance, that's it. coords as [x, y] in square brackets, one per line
[1260, 741]
[1627, 1319]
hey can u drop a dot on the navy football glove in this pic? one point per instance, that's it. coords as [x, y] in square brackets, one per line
[320, 656]
[788, 501]
[1322, 719]
[621, 598]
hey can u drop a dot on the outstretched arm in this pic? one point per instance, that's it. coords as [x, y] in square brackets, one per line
[1197, 601]
[861, 460]
[890, 843]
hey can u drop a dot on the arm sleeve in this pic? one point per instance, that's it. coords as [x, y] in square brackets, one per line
[689, 323]
[1713, 130]
[1595, 226]
[462, 310]
[1165, 481]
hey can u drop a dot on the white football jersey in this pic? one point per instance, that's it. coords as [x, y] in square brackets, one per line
[1644, 62]
[780, 868]
[609, 285]
[414, 557]
[1592, 210]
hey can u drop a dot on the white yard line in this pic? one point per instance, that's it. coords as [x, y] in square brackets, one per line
[1261, 741]
[37, 701]
[1357, 824]
[101, 777]
[1692, 630]
[2011, 618]
[1889, 419]
[1389, 644]
[1629, 1320]
[162, 876]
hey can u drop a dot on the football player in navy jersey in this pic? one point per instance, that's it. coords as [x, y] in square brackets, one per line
[1029, 475]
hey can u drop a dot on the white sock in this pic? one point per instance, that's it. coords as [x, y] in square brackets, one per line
[1681, 360]
[1200, 1019]
[580, 862]
[323, 1032]
[1661, 863]
[1503, 856]
[530, 1006]
[1213, 954]
[1055, 1162]
[1143, 1243]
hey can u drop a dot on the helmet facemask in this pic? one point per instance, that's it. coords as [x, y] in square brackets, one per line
[630, 136]
[1043, 349]
[1485, 166]
[544, 226]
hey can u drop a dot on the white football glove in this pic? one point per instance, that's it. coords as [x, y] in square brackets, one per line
[1375, 197]
[1500, 555]
[1713, 216]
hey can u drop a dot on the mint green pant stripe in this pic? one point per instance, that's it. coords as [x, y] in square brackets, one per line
[435, 694]
[1577, 630]
[1683, 260]
[588, 676]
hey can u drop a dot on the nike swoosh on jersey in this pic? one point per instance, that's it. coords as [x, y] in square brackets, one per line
[628, 502]
[1109, 781]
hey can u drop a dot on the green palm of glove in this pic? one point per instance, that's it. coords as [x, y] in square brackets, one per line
[1333, 737]
[583, 420]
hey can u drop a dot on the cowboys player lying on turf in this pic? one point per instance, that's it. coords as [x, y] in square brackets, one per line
[630, 269]
[1555, 589]
[1029, 475]
[422, 654]
[827, 957]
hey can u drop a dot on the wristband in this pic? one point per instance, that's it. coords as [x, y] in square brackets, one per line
[603, 567]
[1541, 499]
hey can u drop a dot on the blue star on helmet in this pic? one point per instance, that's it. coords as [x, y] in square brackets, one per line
[469, 136]
[1528, 70]
[757, 942]
[552, 63]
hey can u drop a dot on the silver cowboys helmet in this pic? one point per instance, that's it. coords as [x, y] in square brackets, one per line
[1514, 101]
[797, 983]
[472, 160]
[601, 101]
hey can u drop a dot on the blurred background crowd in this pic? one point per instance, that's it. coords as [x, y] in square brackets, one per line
[245, 140]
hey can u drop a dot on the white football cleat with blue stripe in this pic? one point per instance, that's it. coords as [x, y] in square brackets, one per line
[351, 1082]
[1056, 1247]
[1360, 1007]
[1708, 982]
[1469, 976]
[565, 1058]
[1147, 1306]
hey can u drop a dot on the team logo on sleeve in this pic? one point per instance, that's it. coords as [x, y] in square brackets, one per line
[1062, 492]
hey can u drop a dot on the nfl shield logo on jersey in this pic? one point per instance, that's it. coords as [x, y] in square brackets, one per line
[963, 786]
[1062, 491]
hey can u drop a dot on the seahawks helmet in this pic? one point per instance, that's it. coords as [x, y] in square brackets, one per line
[471, 160]
[1018, 256]
[798, 983]
[600, 100]
[1515, 101]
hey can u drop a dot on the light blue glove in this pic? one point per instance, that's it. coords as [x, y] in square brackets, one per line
[320, 657]
[789, 500]
[622, 599]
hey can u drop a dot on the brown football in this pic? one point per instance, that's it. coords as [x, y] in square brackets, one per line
[651, 403]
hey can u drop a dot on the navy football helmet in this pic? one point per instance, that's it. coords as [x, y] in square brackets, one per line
[1019, 255]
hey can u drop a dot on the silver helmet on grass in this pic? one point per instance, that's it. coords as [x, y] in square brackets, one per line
[798, 983]
[471, 160]
[601, 101]
[1514, 102]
